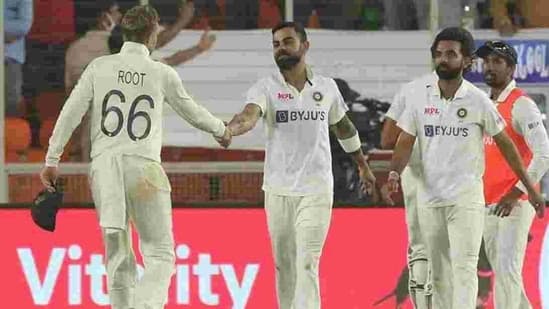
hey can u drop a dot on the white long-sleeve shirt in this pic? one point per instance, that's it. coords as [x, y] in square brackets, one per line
[125, 93]
[527, 121]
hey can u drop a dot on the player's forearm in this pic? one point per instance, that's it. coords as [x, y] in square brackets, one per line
[402, 152]
[170, 32]
[359, 159]
[183, 56]
[200, 118]
[537, 168]
[511, 155]
[69, 118]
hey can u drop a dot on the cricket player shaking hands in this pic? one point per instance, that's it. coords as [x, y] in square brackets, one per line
[448, 118]
[298, 109]
[509, 214]
[125, 94]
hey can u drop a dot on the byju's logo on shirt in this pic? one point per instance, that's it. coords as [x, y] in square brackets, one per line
[431, 131]
[287, 116]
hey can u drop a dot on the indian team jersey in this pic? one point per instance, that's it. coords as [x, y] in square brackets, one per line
[298, 159]
[124, 94]
[450, 138]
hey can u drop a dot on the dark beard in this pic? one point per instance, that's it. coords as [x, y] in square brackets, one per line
[288, 62]
[447, 74]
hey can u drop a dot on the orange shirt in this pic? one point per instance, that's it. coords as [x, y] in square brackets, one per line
[499, 178]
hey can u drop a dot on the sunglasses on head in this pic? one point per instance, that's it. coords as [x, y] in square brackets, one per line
[498, 45]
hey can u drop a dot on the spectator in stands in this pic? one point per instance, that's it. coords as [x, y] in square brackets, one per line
[528, 13]
[18, 16]
[342, 14]
[450, 13]
[206, 41]
[95, 44]
[241, 14]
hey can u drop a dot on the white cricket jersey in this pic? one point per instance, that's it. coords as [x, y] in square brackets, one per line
[450, 137]
[397, 108]
[298, 159]
[125, 94]
[527, 121]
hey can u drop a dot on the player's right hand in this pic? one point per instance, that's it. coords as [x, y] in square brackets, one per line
[386, 191]
[538, 202]
[206, 41]
[48, 176]
[226, 139]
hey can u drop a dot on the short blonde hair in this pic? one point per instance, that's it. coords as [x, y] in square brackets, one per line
[138, 23]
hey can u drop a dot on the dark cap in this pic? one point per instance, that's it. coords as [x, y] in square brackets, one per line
[44, 209]
[500, 48]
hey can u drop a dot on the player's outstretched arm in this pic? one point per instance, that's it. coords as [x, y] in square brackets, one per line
[246, 120]
[511, 155]
[185, 106]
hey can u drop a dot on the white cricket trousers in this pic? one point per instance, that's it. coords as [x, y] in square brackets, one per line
[505, 242]
[148, 207]
[298, 226]
[453, 236]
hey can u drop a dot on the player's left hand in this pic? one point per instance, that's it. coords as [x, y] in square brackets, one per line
[48, 176]
[505, 206]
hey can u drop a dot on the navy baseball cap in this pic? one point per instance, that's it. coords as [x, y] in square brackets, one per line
[499, 48]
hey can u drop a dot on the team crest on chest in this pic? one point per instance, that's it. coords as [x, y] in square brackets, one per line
[462, 113]
[317, 96]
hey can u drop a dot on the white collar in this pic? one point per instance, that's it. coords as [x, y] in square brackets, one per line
[460, 93]
[134, 48]
[308, 72]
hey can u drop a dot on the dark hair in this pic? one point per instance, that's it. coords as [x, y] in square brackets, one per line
[116, 40]
[456, 34]
[291, 24]
[138, 23]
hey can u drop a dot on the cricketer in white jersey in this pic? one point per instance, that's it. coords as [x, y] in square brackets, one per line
[448, 118]
[125, 94]
[298, 109]
[506, 228]
[418, 282]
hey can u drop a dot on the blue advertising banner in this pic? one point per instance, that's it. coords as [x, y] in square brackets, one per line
[532, 66]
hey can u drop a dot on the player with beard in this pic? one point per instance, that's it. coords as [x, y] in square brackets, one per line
[448, 118]
[507, 225]
[299, 109]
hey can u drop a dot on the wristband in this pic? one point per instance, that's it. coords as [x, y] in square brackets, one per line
[351, 144]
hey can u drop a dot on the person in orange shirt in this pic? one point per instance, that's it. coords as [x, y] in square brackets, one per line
[507, 224]
[534, 13]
